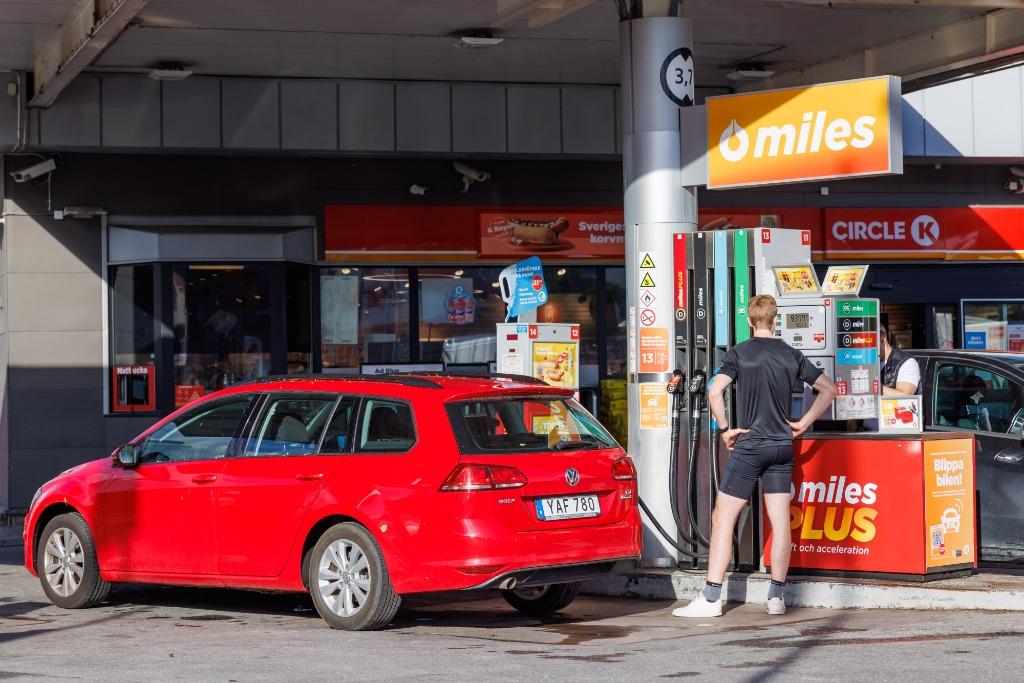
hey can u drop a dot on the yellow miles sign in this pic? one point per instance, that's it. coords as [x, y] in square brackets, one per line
[835, 130]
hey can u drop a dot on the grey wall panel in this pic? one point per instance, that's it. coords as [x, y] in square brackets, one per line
[588, 120]
[366, 116]
[31, 297]
[618, 121]
[693, 145]
[192, 113]
[424, 117]
[74, 119]
[309, 115]
[534, 120]
[912, 115]
[37, 244]
[949, 126]
[478, 118]
[998, 120]
[56, 360]
[251, 113]
[131, 111]
[9, 115]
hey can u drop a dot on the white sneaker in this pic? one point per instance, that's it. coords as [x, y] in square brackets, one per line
[700, 607]
[776, 606]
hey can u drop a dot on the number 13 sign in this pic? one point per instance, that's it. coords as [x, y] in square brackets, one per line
[677, 77]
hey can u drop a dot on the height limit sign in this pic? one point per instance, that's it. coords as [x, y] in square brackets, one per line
[647, 316]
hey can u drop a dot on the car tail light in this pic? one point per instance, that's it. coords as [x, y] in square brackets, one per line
[471, 477]
[623, 469]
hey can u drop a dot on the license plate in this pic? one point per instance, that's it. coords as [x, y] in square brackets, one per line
[567, 507]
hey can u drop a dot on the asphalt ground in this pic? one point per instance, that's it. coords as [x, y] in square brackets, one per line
[150, 633]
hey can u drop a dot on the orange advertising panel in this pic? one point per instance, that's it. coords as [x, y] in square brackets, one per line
[949, 502]
[834, 130]
[559, 234]
[654, 349]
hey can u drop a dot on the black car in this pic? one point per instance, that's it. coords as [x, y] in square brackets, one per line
[983, 392]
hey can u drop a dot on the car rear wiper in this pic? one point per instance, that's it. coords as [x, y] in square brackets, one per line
[583, 442]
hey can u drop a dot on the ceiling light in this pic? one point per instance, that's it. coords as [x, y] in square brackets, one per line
[749, 74]
[346, 271]
[170, 72]
[561, 272]
[458, 273]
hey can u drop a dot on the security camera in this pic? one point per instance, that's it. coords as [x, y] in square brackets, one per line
[1016, 182]
[418, 190]
[35, 171]
[469, 174]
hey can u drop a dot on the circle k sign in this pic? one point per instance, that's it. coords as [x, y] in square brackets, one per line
[886, 230]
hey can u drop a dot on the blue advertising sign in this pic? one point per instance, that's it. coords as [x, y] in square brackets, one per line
[722, 310]
[857, 356]
[523, 287]
[975, 340]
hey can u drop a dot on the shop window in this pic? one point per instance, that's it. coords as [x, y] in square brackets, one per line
[572, 298]
[290, 426]
[132, 336]
[993, 325]
[364, 317]
[298, 314]
[222, 326]
[459, 308]
[615, 321]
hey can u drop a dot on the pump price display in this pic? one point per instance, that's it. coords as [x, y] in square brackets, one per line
[567, 507]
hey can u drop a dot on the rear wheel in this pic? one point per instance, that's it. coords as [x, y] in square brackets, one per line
[67, 566]
[348, 580]
[541, 601]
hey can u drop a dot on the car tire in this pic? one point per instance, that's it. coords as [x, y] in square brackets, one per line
[66, 562]
[542, 601]
[354, 591]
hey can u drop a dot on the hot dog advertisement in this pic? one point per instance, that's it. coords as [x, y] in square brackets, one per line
[557, 233]
[556, 363]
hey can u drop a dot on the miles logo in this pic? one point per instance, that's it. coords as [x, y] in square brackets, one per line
[832, 516]
[813, 131]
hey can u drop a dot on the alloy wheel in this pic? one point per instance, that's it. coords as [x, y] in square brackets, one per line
[343, 578]
[64, 561]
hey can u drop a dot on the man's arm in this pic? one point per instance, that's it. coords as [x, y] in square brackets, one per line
[907, 381]
[826, 389]
[716, 401]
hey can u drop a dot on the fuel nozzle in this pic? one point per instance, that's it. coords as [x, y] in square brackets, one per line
[698, 382]
[676, 383]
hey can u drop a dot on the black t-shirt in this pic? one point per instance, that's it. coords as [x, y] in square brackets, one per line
[765, 371]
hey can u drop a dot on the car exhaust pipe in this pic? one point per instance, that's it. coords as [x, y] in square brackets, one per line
[508, 584]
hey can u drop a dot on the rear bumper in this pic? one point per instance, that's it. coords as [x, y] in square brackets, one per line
[566, 573]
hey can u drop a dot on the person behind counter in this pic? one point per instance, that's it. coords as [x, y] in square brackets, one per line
[901, 374]
[764, 369]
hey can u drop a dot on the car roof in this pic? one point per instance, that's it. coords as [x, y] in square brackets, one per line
[1014, 358]
[446, 386]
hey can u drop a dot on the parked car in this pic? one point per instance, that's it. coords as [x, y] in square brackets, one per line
[983, 392]
[357, 490]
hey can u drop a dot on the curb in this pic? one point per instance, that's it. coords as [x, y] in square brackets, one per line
[817, 592]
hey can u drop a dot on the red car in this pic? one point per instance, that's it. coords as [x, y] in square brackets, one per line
[358, 490]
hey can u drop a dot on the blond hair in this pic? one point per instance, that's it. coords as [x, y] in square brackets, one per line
[761, 311]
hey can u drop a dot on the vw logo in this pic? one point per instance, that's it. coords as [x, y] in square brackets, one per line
[572, 477]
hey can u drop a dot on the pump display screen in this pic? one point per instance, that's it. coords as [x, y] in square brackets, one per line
[798, 321]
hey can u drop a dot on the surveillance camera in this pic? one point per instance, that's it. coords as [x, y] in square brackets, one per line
[471, 173]
[417, 190]
[34, 171]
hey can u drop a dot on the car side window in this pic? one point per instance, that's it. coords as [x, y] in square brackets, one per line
[385, 427]
[289, 426]
[973, 398]
[338, 433]
[203, 433]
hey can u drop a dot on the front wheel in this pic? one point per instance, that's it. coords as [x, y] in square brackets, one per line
[67, 565]
[348, 580]
[542, 601]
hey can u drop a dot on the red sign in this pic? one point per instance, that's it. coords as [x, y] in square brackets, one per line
[679, 265]
[805, 237]
[574, 333]
[186, 393]
[858, 340]
[533, 332]
[558, 233]
[766, 236]
[133, 388]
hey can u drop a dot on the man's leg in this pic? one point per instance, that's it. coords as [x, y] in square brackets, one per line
[723, 523]
[777, 505]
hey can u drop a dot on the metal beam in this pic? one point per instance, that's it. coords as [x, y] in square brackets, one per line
[990, 37]
[89, 28]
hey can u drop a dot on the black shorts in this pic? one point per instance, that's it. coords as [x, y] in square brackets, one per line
[772, 464]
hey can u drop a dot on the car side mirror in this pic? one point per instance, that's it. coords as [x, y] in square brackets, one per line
[127, 455]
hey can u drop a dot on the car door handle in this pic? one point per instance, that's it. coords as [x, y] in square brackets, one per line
[310, 477]
[1009, 457]
[204, 478]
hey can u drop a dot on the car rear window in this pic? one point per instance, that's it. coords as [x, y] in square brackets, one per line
[525, 425]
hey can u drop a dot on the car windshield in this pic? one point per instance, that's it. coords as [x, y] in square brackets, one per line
[526, 425]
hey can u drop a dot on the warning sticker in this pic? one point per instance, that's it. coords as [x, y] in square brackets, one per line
[653, 405]
[647, 280]
[645, 260]
[654, 355]
[647, 317]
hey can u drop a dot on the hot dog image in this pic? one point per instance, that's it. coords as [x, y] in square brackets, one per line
[537, 232]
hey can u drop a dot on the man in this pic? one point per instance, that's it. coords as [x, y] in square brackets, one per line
[901, 375]
[765, 369]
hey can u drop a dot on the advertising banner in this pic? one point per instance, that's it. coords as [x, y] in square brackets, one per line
[853, 506]
[833, 130]
[556, 363]
[900, 415]
[563, 235]
[523, 288]
[949, 502]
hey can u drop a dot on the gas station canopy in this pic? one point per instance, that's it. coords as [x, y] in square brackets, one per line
[740, 44]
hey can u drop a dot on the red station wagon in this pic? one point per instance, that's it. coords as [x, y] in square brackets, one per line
[358, 490]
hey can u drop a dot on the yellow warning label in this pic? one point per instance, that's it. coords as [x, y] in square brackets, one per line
[648, 281]
[653, 406]
[647, 261]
